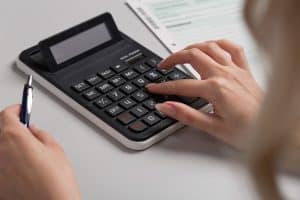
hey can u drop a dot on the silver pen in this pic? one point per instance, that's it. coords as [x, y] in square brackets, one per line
[27, 101]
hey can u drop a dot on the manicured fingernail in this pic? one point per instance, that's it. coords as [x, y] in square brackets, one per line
[166, 108]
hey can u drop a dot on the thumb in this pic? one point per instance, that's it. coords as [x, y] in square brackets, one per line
[42, 136]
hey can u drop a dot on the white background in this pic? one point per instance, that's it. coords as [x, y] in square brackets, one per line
[187, 165]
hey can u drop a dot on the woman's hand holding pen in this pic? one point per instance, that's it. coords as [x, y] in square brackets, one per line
[32, 164]
[226, 83]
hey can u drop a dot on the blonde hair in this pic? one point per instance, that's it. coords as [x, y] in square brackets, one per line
[275, 24]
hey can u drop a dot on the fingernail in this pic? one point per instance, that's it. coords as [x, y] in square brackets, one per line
[166, 108]
[148, 86]
[32, 127]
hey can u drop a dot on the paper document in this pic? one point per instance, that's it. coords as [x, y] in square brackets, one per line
[178, 23]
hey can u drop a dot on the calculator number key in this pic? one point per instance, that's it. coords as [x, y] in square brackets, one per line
[128, 88]
[140, 82]
[115, 95]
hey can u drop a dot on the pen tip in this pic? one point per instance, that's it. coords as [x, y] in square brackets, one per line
[29, 80]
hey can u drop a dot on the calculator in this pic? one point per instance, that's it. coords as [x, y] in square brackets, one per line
[101, 73]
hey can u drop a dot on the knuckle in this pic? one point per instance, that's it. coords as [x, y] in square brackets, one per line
[223, 40]
[239, 50]
[212, 46]
[184, 116]
[217, 82]
[227, 73]
[193, 53]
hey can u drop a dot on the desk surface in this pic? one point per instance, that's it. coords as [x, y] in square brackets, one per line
[187, 165]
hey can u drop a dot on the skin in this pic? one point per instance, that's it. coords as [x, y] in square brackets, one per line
[226, 83]
[34, 166]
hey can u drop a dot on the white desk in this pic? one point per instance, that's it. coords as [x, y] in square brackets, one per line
[187, 165]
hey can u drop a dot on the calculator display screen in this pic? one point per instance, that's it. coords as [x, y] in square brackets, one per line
[80, 43]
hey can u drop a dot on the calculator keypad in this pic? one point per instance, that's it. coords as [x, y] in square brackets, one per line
[119, 92]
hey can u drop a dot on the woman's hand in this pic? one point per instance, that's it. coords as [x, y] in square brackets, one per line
[226, 83]
[32, 164]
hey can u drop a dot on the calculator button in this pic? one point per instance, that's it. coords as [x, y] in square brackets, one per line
[93, 80]
[117, 81]
[91, 95]
[142, 68]
[139, 111]
[161, 80]
[114, 110]
[164, 123]
[128, 88]
[165, 71]
[161, 115]
[140, 96]
[126, 118]
[138, 126]
[127, 103]
[150, 104]
[104, 87]
[115, 95]
[177, 75]
[153, 62]
[151, 119]
[119, 68]
[129, 74]
[140, 82]
[81, 86]
[102, 102]
[153, 75]
[106, 73]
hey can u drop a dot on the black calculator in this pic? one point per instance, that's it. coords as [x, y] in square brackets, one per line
[102, 73]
